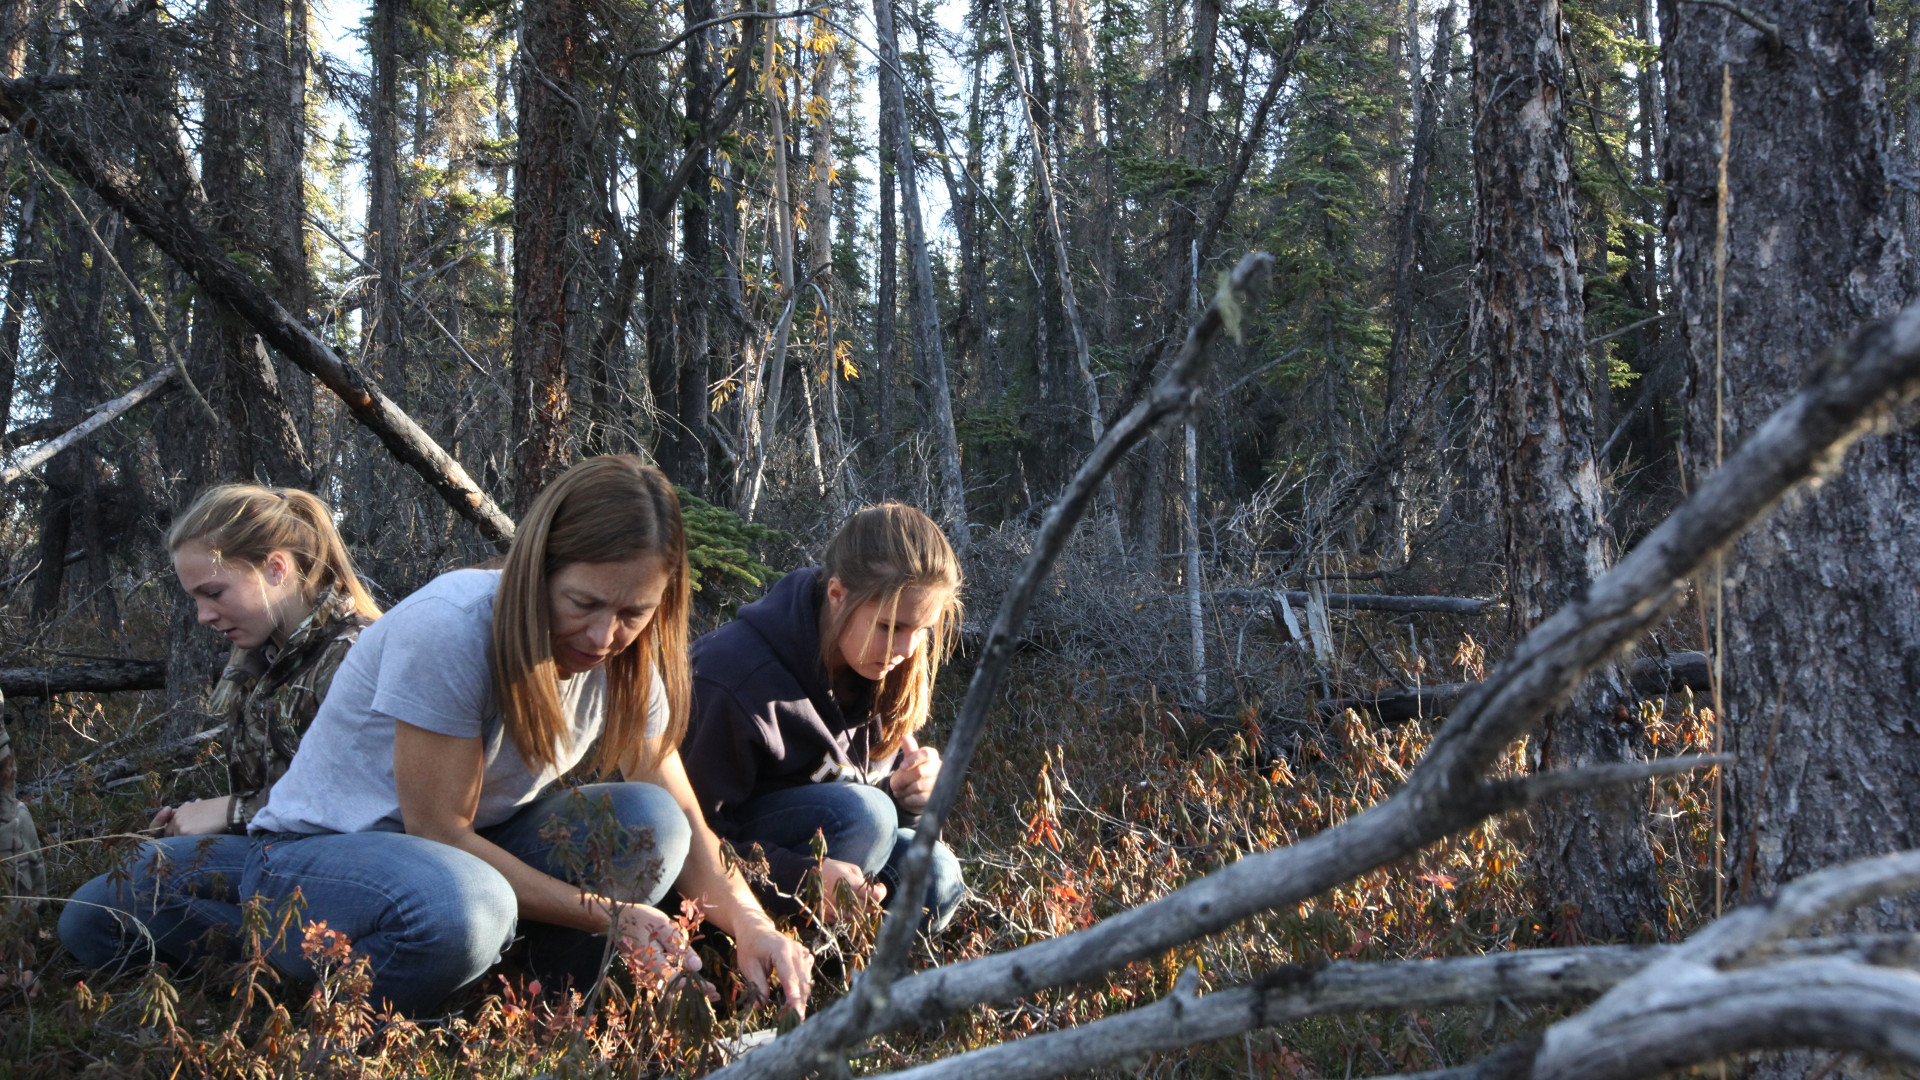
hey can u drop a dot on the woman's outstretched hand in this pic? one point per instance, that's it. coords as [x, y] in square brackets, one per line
[764, 952]
[655, 945]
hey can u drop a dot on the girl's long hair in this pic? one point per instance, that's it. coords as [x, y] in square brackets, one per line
[245, 523]
[879, 553]
[603, 510]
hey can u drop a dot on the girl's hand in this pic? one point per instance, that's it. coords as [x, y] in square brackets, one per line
[912, 783]
[835, 873]
[201, 817]
[654, 944]
[765, 951]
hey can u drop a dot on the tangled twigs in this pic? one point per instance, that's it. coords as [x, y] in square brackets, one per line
[1861, 382]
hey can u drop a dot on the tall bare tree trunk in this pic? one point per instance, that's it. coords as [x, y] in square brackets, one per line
[923, 302]
[544, 194]
[696, 249]
[1528, 320]
[1819, 682]
[886, 291]
[386, 234]
[1390, 526]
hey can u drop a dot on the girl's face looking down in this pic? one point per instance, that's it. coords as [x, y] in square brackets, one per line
[247, 605]
[595, 610]
[880, 634]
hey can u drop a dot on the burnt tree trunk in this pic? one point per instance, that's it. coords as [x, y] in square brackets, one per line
[1390, 526]
[1821, 663]
[544, 195]
[1528, 325]
[886, 335]
[385, 233]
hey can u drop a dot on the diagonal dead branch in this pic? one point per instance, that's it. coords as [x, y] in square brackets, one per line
[1740, 985]
[1862, 382]
[1296, 993]
[24, 104]
[101, 416]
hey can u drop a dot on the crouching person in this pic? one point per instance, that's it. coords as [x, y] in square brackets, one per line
[806, 705]
[420, 819]
[266, 570]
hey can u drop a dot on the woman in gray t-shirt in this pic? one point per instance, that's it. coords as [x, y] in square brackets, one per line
[415, 819]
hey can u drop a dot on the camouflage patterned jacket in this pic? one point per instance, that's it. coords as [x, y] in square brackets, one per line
[269, 696]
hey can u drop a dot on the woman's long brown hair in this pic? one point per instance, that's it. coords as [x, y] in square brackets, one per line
[879, 553]
[603, 510]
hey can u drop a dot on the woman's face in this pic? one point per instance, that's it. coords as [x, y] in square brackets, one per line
[247, 605]
[595, 610]
[880, 634]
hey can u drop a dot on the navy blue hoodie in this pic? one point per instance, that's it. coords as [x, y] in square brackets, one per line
[764, 719]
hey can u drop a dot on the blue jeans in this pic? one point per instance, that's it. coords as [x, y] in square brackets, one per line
[861, 825]
[428, 917]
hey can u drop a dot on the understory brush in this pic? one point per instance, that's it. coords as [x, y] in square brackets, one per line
[1106, 781]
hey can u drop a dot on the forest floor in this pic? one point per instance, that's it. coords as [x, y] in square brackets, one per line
[1099, 795]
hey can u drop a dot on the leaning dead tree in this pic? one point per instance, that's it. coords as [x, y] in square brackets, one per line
[1452, 789]
[31, 105]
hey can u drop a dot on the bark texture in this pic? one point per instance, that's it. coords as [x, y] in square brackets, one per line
[1822, 630]
[1528, 322]
[543, 194]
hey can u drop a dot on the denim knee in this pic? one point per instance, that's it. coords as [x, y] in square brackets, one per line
[859, 824]
[428, 917]
[165, 897]
[648, 806]
[945, 885]
[562, 835]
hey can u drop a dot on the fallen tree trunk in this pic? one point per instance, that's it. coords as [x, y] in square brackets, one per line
[1651, 676]
[199, 253]
[1449, 605]
[90, 677]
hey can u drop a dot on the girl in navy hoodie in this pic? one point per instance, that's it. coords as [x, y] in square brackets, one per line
[805, 708]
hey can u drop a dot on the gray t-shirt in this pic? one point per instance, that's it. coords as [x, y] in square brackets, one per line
[424, 663]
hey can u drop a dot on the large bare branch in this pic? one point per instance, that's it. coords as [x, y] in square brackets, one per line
[24, 104]
[1859, 384]
[102, 415]
[92, 676]
[1297, 992]
[1740, 985]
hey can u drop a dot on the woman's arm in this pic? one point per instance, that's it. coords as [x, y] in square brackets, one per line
[724, 897]
[438, 780]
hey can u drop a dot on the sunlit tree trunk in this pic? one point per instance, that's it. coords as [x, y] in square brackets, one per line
[1528, 321]
[1821, 629]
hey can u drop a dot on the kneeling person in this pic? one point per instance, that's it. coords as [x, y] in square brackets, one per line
[806, 705]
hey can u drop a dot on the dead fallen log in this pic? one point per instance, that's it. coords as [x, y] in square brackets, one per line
[1450, 605]
[1650, 676]
[90, 677]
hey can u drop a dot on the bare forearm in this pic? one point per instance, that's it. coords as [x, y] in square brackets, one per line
[542, 897]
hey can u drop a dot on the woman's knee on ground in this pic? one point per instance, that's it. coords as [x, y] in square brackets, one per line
[144, 902]
[860, 823]
[946, 886]
[642, 857]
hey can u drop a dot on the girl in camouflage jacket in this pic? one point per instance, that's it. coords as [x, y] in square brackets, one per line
[268, 571]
